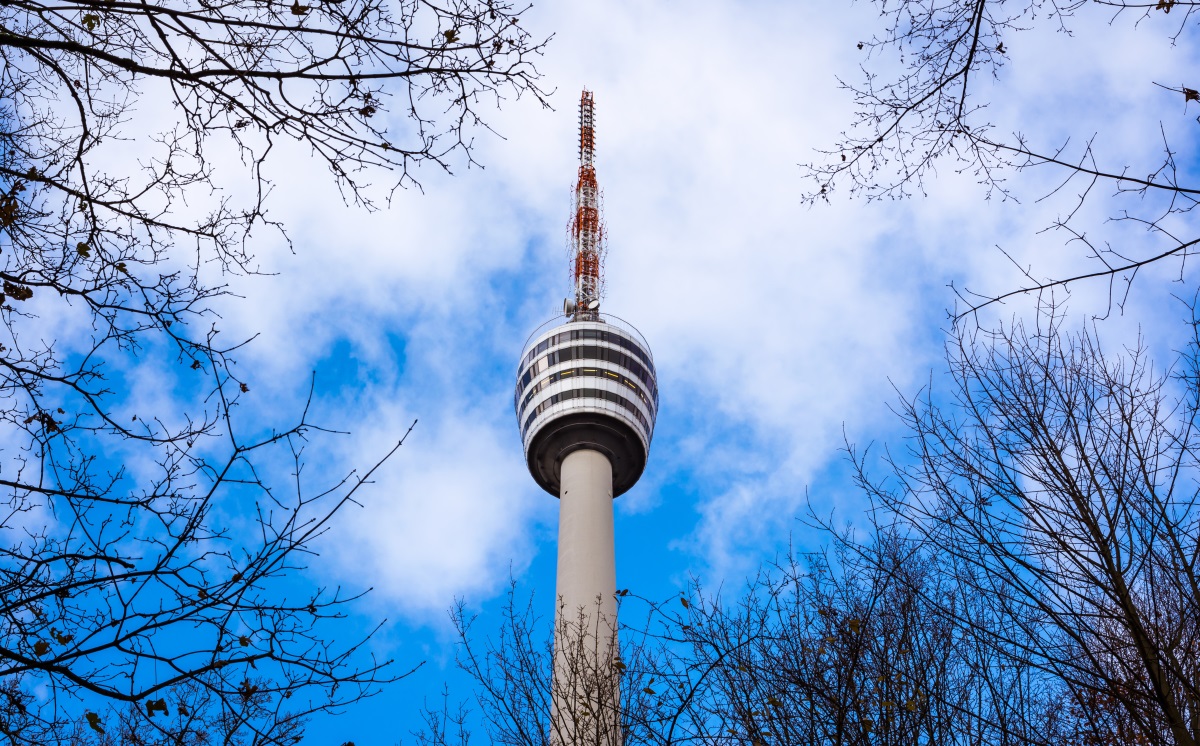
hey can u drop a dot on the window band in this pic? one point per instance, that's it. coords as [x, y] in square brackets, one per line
[571, 373]
[583, 353]
[574, 335]
[587, 394]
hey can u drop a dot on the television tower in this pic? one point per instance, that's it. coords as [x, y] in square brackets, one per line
[586, 400]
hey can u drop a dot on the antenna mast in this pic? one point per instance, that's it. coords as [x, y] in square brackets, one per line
[587, 226]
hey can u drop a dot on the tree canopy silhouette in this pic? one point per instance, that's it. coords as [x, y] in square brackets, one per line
[150, 537]
[924, 101]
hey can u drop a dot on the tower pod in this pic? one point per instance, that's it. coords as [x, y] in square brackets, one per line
[587, 384]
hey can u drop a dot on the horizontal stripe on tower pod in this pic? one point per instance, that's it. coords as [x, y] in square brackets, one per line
[573, 373]
[584, 353]
[575, 335]
[587, 394]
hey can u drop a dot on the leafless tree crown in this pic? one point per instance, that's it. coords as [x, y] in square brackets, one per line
[919, 107]
[150, 537]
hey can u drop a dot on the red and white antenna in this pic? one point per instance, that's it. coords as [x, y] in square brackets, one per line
[588, 243]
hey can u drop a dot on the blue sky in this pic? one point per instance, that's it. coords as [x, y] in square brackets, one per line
[776, 328]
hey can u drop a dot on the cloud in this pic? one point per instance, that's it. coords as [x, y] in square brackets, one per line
[447, 517]
[774, 326]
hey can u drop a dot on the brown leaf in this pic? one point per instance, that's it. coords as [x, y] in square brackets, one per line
[1190, 94]
[156, 705]
[41, 647]
[1165, 5]
[17, 292]
[93, 721]
[8, 211]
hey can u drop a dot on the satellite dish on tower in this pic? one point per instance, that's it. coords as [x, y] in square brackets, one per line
[593, 305]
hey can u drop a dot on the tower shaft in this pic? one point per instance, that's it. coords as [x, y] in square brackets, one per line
[587, 574]
[586, 693]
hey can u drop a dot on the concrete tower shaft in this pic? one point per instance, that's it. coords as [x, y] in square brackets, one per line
[586, 681]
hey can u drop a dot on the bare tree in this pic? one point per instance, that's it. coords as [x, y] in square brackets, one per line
[933, 113]
[147, 595]
[1026, 575]
[856, 645]
[152, 537]
[862, 645]
[1059, 484]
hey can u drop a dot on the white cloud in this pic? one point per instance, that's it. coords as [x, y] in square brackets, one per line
[447, 517]
[773, 325]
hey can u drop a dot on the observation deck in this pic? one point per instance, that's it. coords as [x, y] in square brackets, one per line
[586, 384]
